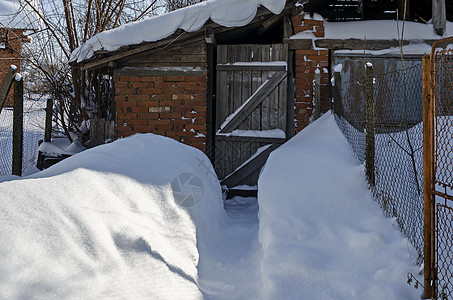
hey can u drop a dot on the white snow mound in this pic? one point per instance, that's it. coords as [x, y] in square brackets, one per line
[119, 221]
[323, 236]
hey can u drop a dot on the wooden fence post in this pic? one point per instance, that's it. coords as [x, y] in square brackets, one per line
[369, 126]
[317, 94]
[428, 175]
[18, 121]
[48, 127]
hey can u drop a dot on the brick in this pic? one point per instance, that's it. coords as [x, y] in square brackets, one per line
[304, 52]
[171, 103]
[195, 78]
[313, 22]
[147, 103]
[144, 129]
[182, 96]
[183, 109]
[159, 109]
[304, 28]
[170, 115]
[151, 91]
[187, 84]
[318, 57]
[140, 97]
[148, 116]
[137, 122]
[318, 33]
[174, 78]
[159, 122]
[196, 127]
[199, 108]
[126, 91]
[122, 104]
[180, 121]
[130, 78]
[139, 109]
[164, 84]
[126, 116]
[200, 121]
[163, 128]
[195, 103]
[152, 78]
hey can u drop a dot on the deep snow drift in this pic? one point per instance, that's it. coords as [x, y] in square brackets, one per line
[323, 237]
[126, 220]
[143, 218]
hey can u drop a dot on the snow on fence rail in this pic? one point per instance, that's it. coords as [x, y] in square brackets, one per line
[393, 147]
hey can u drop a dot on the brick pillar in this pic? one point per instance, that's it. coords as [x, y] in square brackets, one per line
[306, 63]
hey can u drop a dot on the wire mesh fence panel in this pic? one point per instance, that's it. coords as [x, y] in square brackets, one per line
[34, 121]
[443, 166]
[349, 109]
[398, 157]
[6, 141]
[399, 150]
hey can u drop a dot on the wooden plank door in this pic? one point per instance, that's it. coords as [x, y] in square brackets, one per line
[251, 109]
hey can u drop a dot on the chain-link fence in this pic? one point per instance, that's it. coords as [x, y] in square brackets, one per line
[396, 136]
[33, 131]
[442, 89]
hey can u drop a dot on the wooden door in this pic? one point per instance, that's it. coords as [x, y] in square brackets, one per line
[251, 109]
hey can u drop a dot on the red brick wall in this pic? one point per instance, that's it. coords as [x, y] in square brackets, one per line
[172, 106]
[10, 55]
[306, 63]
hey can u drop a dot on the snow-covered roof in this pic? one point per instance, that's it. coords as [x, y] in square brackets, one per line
[228, 13]
[16, 15]
[376, 30]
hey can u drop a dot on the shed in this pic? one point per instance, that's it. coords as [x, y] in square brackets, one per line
[216, 75]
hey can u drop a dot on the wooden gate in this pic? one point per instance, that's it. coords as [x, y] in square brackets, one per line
[251, 109]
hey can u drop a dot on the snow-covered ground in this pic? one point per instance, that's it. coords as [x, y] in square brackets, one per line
[323, 236]
[143, 218]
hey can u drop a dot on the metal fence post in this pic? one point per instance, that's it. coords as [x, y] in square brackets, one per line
[428, 155]
[370, 125]
[317, 94]
[18, 121]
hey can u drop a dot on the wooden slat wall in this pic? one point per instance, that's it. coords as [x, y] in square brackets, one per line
[233, 89]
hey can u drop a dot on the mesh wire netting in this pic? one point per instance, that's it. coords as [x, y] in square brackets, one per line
[398, 155]
[443, 97]
[34, 120]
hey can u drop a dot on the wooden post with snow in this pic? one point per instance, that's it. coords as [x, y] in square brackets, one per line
[439, 16]
[317, 94]
[370, 122]
[18, 124]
